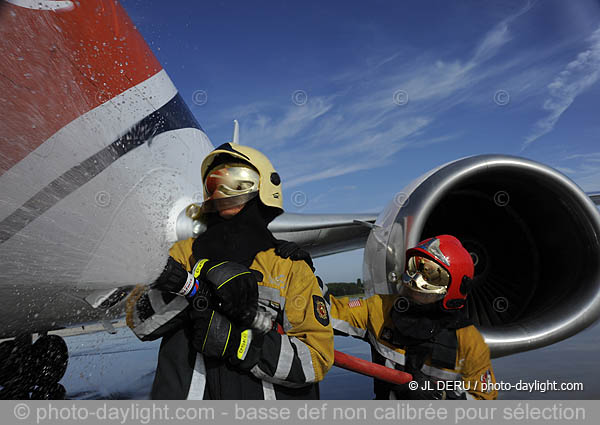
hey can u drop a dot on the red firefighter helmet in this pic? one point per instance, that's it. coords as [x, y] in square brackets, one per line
[440, 268]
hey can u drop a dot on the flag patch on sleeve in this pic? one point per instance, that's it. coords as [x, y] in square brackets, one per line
[354, 302]
[486, 380]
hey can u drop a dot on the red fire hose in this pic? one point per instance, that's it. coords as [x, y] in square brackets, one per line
[374, 370]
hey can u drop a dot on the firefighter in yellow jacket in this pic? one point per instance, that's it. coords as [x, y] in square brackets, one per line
[422, 330]
[237, 320]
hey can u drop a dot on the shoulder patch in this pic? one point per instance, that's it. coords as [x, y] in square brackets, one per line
[320, 310]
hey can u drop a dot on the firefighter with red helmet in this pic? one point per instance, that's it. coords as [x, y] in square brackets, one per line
[423, 329]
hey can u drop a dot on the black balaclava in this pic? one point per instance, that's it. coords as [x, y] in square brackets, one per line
[238, 238]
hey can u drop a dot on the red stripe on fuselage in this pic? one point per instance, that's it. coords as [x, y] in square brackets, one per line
[56, 66]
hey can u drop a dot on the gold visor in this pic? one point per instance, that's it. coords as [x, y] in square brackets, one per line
[229, 185]
[424, 281]
[434, 276]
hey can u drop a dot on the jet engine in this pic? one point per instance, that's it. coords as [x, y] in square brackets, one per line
[533, 234]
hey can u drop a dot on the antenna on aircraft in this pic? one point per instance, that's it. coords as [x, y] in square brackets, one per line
[236, 133]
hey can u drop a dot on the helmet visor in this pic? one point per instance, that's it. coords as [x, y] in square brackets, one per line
[229, 185]
[424, 281]
[433, 276]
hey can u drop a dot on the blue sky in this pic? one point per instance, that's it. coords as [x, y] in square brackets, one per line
[352, 100]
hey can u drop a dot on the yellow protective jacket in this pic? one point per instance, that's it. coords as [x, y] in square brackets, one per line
[293, 359]
[370, 317]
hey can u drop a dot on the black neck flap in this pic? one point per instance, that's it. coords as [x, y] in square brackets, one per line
[239, 238]
[425, 331]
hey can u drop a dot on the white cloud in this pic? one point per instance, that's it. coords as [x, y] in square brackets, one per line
[261, 130]
[498, 36]
[566, 170]
[360, 126]
[593, 156]
[574, 79]
[584, 169]
[368, 148]
[589, 182]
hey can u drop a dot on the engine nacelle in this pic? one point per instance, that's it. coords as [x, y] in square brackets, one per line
[533, 234]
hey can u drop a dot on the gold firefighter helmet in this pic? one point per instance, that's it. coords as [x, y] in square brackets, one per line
[235, 156]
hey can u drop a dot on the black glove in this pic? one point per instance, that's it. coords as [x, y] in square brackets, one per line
[235, 287]
[175, 278]
[292, 250]
[215, 336]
